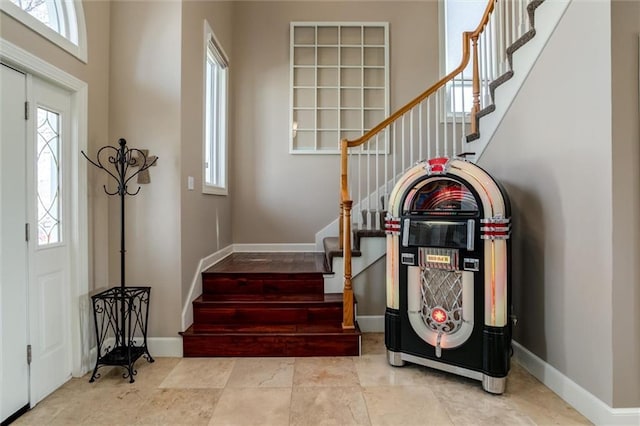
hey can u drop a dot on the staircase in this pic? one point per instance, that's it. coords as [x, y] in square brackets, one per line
[268, 304]
[431, 125]
[267, 311]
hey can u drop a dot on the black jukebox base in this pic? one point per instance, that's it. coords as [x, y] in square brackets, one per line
[485, 357]
[495, 385]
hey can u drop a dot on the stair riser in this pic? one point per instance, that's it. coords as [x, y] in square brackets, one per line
[272, 345]
[265, 315]
[217, 285]
[318, 327]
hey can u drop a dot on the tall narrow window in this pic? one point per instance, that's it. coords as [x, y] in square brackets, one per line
[458, 16]
[215, 115]
[60, 21]
[48, 177]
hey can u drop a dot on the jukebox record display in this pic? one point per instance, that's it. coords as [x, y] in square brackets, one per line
[444, 194]
[448, 286]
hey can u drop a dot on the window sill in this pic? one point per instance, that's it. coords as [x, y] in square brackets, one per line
[214, 190]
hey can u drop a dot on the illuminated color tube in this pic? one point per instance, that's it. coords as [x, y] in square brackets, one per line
[393, 273]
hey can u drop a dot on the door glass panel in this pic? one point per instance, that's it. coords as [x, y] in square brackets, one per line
[48, 177]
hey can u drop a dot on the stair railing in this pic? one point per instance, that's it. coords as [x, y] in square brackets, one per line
[438, 122]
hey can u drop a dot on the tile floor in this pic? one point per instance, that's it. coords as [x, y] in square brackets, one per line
[361, 390]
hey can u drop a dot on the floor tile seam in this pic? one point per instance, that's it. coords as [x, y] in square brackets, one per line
[291, 400]
[442, 405]
[512, 404]
[366, 405]
[449, 411]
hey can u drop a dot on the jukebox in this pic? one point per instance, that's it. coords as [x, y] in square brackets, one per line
[448, 278]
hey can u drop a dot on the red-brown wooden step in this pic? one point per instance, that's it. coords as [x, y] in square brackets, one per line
[268, 311]
[330, 341]
[255, 286]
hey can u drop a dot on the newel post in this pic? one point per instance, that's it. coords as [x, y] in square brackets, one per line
[344, 147]
[347, 297]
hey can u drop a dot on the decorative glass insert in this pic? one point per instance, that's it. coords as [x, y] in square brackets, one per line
[441, 300]
[339, 83]
[45, 11]
[48, 177]
[59, 21]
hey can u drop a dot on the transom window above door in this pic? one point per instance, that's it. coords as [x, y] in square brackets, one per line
[59, 21]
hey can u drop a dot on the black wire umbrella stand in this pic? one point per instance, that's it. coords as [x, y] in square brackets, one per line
[121, 313]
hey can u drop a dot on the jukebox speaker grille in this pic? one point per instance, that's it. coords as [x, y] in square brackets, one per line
[441, 300]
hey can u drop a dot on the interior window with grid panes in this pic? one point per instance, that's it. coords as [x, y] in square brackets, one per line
[339, 83]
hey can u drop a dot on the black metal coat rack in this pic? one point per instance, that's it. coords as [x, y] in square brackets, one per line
[121, 313]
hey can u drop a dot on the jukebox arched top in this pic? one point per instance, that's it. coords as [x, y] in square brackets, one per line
[447, 185]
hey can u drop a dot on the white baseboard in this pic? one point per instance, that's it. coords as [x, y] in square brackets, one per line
[371, 323]
[158, 347]
[273, 248]
[165, 346]
[196, 283]
[582, 400]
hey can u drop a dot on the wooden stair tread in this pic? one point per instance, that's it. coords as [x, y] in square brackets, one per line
[238, 297]
[332, 244]
[271, 263]
[275, 301]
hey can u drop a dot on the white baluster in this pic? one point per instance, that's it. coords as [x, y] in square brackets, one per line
[454, 111]
[420, 132]
[437, 106]
[403, 142]
[394, 132]
[484, 83]
[429, 154]
[445, 110]
[411, 160]
[464, 114]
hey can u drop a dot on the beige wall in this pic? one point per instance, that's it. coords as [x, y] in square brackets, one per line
[625, 28]
[145, 109]
[96, 74]
[205, 219]
[283, 198]
[553, 153]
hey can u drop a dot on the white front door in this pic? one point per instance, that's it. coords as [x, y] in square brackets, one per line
[14, 370]
[49, 213]
[35, 290]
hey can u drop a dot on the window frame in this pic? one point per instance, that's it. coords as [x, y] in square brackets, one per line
[215, 146]
[446, 109]
[70, 12]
